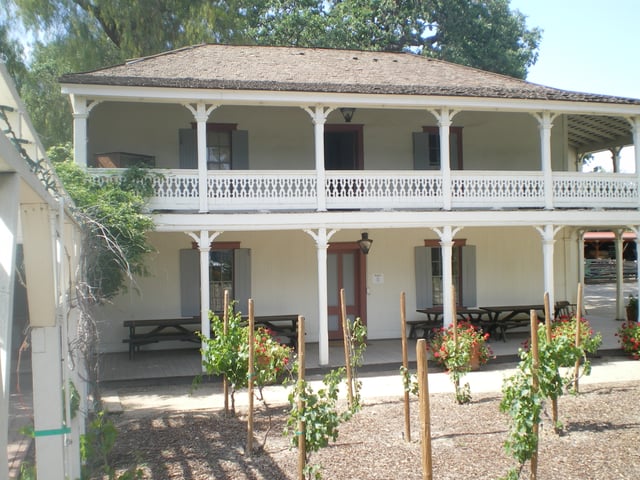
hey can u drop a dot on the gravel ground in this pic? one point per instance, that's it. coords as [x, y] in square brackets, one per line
[601, 440]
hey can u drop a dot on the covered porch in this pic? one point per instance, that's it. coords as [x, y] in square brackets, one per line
[160, 366]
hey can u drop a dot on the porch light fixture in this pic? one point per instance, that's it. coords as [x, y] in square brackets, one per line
[365, 243]
[347, 113]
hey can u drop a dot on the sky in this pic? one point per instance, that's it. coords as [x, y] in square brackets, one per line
[588, 46]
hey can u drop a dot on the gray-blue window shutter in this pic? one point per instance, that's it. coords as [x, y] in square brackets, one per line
[454, 154]
[242, 278]
[188, 153]
[469, 294]
[424, 283]
[189, 282]
[421, 151]
[240, 150]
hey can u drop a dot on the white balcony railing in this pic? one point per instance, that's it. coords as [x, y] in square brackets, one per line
[253, 190]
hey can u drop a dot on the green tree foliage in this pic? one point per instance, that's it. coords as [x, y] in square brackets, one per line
[138, 28]
[11, 55]
[115, 224]
[485, 34]
[80, 35]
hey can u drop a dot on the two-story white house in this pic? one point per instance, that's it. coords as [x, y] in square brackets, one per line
[275, 162]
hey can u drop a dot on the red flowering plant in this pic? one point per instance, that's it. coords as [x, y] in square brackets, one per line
[459, 350]
[227, 353]
[629, 338]
[565, 327]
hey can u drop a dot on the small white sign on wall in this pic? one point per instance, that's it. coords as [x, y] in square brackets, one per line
[377, 278]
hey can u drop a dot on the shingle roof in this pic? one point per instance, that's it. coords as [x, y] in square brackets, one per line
[294, 69]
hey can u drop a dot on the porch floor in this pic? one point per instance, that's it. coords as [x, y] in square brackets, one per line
[381, 355]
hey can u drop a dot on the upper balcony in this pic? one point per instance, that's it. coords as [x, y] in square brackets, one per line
[265, 158]
[286, 190]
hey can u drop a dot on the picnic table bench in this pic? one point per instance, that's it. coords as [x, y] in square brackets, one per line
[506, 317]
[435, 317]
[495, 320]
[144, 332]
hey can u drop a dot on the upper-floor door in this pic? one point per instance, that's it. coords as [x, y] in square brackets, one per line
[343, 149]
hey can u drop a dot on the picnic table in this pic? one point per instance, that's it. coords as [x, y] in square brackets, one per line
[144, 332]
[505, 317]
[435, 317]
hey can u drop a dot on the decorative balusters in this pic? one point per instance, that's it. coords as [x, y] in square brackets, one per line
[291, 190]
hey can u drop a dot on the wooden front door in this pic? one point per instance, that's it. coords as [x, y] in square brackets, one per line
[345, 269]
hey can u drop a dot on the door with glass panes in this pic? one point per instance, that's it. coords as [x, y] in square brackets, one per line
[345, 269]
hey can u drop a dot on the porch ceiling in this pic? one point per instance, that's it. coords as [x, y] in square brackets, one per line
[590, 133]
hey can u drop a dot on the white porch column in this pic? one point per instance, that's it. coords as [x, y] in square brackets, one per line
[319, 117]
[46, 358]
[545, 123]
[580, 257]
[39, 227]
[635, 130]
[81, 109]
[445, 119]
[8, 232]
[322, 244]
[204, 247]
[620, 307]
[446, 243]
[636, 230]
[201, 114]
[548, 232]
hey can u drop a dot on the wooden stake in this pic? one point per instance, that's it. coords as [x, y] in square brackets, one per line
[547, 324]
[576, 370]
[225, 330]
[405, 365]
[454, 322]
[302, 445]
[347, 354]
[425, 414]
[535, 385]
[250, 380]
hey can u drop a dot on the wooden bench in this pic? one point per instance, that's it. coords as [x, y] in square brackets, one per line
[160, 330]
[434, 319]
[280, 326]
[184, 329]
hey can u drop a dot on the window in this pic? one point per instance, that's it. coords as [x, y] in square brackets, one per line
[220, 277]
[219, 145]
[229, 268]
[426, 148]
[429, 274]
[437, 291]
[218, 150]
[227, 147]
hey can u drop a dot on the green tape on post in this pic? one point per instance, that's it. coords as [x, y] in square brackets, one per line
[52, 432]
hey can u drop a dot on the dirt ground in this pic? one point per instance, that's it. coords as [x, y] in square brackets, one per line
[601, 440]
